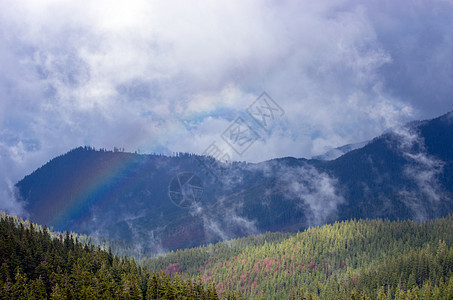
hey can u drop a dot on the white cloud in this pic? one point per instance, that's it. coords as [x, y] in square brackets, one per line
[168, 76]
[423, 169]
[317, 193]
[223, 222]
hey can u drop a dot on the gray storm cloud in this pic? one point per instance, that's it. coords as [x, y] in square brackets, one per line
[168, 77]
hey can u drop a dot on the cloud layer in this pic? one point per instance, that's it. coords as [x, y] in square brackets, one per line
[166, 76]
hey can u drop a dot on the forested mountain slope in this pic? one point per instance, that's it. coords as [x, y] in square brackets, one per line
[376, 258]
[33, 265]
[372, 259]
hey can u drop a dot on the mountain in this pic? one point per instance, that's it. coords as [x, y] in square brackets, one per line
[36, 265]
[339, 151]
[378, 259]
[365, 259]
[161, 203]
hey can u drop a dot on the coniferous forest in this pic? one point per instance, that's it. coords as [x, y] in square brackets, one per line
[372, 259]
[357, 259]
[38, 264]
[223, 150]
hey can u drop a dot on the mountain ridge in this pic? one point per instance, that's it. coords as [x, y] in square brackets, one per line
[405, 173]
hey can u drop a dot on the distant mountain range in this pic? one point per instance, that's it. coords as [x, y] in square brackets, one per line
[162, 203]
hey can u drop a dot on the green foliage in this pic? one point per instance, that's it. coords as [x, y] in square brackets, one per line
[371, 259]
[37, 265]
[366, 259]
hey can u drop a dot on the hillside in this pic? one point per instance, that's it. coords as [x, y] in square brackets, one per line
[405, 173]
[367, 259]
[33, 265]
[376, 258]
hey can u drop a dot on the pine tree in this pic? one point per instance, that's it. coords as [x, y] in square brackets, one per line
[20, 287]
[57, 293]
[38, 289]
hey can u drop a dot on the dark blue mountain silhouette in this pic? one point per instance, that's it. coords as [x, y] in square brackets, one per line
[405, 173]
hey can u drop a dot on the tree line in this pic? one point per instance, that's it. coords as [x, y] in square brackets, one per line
[38, 264]
[370, 259]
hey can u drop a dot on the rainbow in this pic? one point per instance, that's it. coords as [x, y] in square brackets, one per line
[72, 199]
[86, 187]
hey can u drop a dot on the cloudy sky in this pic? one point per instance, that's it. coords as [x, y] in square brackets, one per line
[167, 76]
